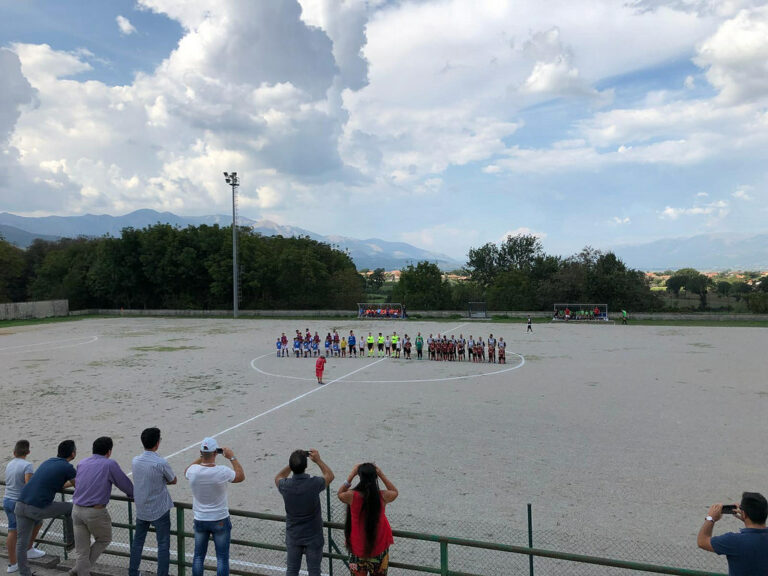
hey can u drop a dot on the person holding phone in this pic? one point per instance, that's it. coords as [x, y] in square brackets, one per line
[303, 517]
[210, 505]
[367, 532]
[747, 550]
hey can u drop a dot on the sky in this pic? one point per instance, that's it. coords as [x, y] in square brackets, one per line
[442, 123]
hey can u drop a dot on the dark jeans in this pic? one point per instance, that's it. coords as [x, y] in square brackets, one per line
[26, 518]
[221, 531]
[163, 532]
[313, 553]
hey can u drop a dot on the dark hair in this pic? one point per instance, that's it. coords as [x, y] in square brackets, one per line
[298, 461]
[150, 437]
[754, 506]
[66, 449]
[21, 449]
[102, 445]
[368, 487]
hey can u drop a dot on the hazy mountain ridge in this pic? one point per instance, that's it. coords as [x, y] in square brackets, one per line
[711, 252]
[369, 253]
[704, 252]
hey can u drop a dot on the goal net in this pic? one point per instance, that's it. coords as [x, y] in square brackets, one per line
[379, 310]
[477, 310]
[580, 312]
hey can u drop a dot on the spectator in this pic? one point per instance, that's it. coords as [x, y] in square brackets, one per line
[209, 503]
[303, 520]
[17, 473]
[36, 501]
[151, 476]
[95, 477]
[366, 530]
[747, 550]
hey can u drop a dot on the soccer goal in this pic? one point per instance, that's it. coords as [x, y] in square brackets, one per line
[580, 312]
[477, 310]
[391, 311]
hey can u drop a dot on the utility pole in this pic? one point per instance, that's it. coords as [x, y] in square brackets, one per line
[234, 182]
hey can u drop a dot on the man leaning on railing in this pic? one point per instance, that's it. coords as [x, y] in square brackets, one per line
[747, 550]
[95, 477]
[151, 476]
[36, 501]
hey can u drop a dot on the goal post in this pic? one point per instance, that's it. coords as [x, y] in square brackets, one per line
[580, 312]
[388, 311]
[477, 310]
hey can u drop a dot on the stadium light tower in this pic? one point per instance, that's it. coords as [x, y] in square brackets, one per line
[234, 182]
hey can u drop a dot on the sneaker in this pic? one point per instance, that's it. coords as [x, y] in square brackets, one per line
[33, 553]
[12, 568]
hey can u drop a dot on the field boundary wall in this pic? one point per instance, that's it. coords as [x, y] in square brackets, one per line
[28, 310]
[701, 316]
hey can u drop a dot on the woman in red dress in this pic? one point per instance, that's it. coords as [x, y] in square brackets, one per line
[367, 531]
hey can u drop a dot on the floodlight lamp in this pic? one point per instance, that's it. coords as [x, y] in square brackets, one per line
[226, 175]
[234, 174]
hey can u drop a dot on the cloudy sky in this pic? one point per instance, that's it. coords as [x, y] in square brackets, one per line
[443, 123]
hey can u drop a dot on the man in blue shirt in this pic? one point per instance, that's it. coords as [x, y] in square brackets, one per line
[303, 518]
[151, 476]
[36, 501]
[746, 551]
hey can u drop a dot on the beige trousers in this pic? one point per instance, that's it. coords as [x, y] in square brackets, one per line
[89, 522]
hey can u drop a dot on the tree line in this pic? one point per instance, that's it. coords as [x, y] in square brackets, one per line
[164, 267]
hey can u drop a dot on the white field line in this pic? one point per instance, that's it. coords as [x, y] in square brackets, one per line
[445, 379]
[21, 348]
[284, 404]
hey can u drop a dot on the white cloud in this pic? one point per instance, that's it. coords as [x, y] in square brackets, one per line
[125, 26]
[742, 193]
[718, 209]
[736, 55]
[619, 221]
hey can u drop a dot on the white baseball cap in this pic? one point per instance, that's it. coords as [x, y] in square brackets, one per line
[209, 445]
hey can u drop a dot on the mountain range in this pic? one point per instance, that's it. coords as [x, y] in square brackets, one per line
[708, 252]
[369, 253]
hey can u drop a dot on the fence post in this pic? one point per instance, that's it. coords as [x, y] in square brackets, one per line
[444, 558]
[181, 555]
[130, 525]
[329, 516]
[63, 499]
[530, 539]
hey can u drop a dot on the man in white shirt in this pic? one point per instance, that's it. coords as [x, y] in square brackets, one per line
[209, 503]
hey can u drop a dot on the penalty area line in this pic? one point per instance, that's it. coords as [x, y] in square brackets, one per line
[275, 408]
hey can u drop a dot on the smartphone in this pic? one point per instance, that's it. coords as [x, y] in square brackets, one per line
[307, 453]
[219, 450]
[729, 508]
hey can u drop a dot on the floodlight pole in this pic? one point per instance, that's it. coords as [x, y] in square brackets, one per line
[234, 182]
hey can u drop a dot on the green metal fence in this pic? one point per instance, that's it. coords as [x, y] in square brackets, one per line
[258, 547]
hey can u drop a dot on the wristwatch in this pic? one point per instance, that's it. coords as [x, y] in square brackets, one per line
[710, 519]
[232, 459]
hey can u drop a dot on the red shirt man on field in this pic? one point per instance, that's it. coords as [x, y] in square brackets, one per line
[319, 367]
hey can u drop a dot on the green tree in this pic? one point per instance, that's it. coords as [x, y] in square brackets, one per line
[724, 288]
[422, 287]
[12, 267]
[376, 279]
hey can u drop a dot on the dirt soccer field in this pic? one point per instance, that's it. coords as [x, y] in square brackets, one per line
[617, 435]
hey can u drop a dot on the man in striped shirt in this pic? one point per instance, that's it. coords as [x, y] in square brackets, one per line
[151, 476]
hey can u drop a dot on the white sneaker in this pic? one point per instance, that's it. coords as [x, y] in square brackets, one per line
[12, 568]
[33, 553]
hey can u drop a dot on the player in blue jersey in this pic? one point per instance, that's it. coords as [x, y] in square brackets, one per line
[352, 341]
[279, 346]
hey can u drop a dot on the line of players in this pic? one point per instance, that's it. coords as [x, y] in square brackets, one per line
[442, 347]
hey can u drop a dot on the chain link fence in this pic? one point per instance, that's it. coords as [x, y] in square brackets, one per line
[258, 545]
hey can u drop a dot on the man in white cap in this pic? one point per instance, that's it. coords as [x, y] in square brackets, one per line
[209, 503]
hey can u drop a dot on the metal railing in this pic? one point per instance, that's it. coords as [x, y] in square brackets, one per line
[413, 552]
